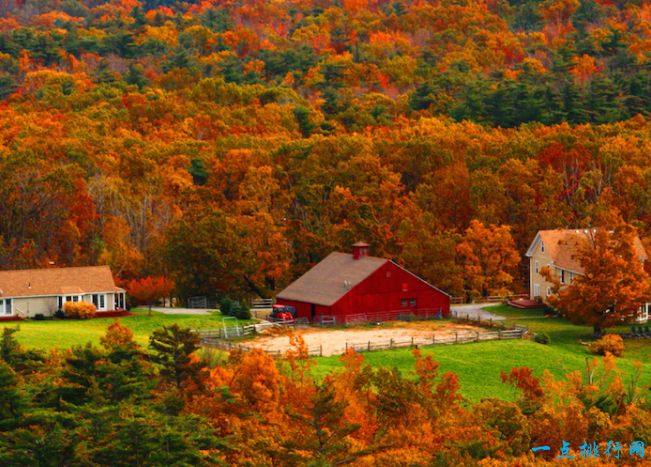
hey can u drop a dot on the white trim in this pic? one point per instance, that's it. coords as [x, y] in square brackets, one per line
[533, 245]
[62, 295]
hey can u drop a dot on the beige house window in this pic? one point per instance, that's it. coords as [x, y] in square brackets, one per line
[536, 290]
[5, 307]
[536, 266]
[542, 247]
[549, 291]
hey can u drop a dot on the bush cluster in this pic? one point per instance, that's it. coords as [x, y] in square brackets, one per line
[234, 308]
[79, 310]
[610, 343]
[542, 338]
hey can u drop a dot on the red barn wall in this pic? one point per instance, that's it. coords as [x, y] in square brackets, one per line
[385, 289]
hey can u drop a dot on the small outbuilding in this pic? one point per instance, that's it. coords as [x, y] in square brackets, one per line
[357, 288]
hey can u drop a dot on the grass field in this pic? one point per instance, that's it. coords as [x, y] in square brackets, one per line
[67, 333]
[478, 365]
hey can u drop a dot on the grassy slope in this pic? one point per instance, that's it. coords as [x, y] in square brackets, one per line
[478, 365]
[64, 334]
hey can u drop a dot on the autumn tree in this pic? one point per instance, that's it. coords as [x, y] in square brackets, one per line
[489, 258]
[149, 290]
[614, 284]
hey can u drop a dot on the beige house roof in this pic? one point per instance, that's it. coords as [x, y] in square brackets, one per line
[57, 281]
[562, 246]
[331, 279]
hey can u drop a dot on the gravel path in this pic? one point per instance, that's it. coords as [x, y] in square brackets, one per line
[182, 311]
[474, 310]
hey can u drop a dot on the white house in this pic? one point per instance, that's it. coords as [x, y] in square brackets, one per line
[25, 293]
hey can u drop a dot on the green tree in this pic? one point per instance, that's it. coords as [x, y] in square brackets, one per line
[173, 347]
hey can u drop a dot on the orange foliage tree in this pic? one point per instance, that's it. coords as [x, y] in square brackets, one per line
[488, 257]
[614, 285]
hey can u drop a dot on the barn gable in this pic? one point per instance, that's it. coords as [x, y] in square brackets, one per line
[331, 279]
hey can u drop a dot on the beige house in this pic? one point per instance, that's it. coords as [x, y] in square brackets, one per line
[558, 249]
[28, 292]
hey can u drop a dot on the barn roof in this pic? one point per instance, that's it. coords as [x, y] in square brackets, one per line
[56, 281]
[563, 245]
[331, 279]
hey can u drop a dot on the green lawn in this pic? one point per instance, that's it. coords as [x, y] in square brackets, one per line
[478, 365]
[66, 333]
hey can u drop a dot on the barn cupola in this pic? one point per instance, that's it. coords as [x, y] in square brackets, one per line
[360, 249]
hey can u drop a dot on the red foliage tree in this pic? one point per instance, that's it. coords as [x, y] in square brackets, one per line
[148, 290]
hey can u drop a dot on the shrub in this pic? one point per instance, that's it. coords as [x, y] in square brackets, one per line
[244, 312]
[59, 314]
[226, 306]
[79, 310]
[610, 343]
[542, 338]
[39, 317]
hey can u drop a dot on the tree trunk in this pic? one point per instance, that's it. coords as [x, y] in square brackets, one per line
[597, 331]
[149, 314]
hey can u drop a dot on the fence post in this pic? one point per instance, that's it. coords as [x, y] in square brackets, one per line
[412, 341]
[433, 339]
[477, 337]
[369, 346]
[456, 337]
[346, 346]
[391, 343]
[321, 350]
[499, 334]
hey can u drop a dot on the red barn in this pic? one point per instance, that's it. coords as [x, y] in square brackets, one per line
[358, 287]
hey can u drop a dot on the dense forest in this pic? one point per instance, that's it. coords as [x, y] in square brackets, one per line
[230, 145]
[120, 404]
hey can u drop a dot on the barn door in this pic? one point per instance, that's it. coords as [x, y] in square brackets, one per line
[313, 311]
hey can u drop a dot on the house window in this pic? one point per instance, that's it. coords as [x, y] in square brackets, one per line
[68, 298]
[5, 307]
[536, 267]
[562, 276]
[536, 290]
[99, 300]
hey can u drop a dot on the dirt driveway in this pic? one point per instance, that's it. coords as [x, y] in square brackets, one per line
[335, 341]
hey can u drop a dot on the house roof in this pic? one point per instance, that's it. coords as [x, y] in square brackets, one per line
[57, 281]
[562, 246]
[331, 279]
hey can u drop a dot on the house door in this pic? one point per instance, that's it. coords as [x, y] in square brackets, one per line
[313, 311]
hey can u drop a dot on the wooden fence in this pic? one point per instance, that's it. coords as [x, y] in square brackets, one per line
[489, 299]
[459, 337]
[423, 313]
[262, 303]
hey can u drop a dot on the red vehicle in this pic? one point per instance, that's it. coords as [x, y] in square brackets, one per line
[283, 313]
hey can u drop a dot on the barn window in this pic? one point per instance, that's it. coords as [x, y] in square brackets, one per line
[412, 302]
[405, 287]
[403, 302]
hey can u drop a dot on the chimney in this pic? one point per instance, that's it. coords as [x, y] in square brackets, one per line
[360, 249]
